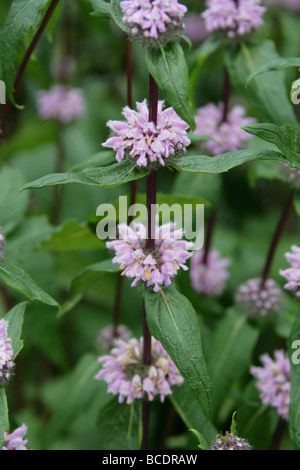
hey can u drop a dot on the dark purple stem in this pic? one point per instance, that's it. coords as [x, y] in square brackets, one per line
[226, 95]
[150, 244]
[26, 58]
[276, 237]
[209, 234]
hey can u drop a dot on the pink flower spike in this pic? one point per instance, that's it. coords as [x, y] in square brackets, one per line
[154, 22]
[146, 143]
[226, 136]
[128, 377]
[233, 19]
[156, 268]
[274, 381]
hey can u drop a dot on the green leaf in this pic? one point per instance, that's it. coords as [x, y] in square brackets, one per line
[223, 162]
[190, 411]
[23, 16]
[168, 67]
[100, 8]
[286, 138]
[13, 206]
[104, 158]
[79, 390]
[202, 443]
[112, 175]
[4, 422]
[279, 63]
[117, 14]
[15, 318]
[198, 58]
[267, 94]
[22, 282]
[72, 236]
[294, 409]
[173, 321]
[85, 280]
[119, 426]
[230, 353]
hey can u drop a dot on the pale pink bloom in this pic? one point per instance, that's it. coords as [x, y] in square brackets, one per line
[6, 354]
[2, 245]
[107, 335]
[227, 135]
[156, 268]
[61, 103]
[292, 274]
[14, 441]
[210, 277]
[127, 376]
[155, 20]
[195, 28]
[274, 382]
[259, 300]
[143, 141]
[233, 19]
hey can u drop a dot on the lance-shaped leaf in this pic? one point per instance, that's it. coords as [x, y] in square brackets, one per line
[266, 94]
[280, 63]
[100, 8]
[286, 138]
[230, 354]
[15, 319]
[168, 67]
[84, 280]
[120, 425]
[23, 16]
[223, 162]
[117, 14]
[4, 422]
[18, 279]
[172, 320]
[108, 176]
[294, 409]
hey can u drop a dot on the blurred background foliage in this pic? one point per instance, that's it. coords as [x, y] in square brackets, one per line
[53, 390]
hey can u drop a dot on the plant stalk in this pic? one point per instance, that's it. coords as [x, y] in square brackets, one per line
[276, 237]
[25, 60]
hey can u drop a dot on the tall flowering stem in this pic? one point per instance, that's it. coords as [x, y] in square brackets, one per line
[150, 245]
[276, 237]
[26, 59]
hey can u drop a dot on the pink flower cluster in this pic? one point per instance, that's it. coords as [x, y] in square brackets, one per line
[259, 300]
[14, 441]
[274, 381]
[144, 141]
[227, 135]
[61, 103]
[156, 20]
[293, 5]
[292, 174]
[230, 442]
[2, 244]
[108, 335]
[292, 274]
[155, 268]
[128, 377]
[6, 354]
[233, 18]
[209, 278]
